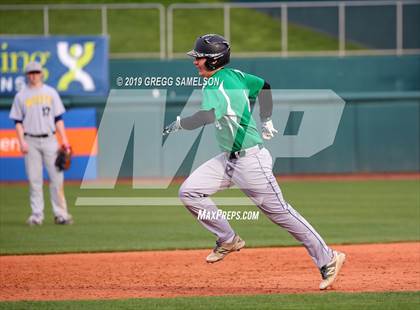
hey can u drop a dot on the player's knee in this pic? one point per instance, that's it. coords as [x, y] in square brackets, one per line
[183, 192]
[190, 195]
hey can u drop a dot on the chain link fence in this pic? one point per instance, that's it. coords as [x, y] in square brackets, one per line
[282, 29]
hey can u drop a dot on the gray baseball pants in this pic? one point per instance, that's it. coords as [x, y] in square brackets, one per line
[44, 151]
[252, 173]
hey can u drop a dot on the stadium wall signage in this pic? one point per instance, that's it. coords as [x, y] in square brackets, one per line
[74, 65]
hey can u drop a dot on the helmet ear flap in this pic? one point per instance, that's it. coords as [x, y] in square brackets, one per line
[210, 64]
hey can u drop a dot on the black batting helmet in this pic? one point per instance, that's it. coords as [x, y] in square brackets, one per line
[213, 47]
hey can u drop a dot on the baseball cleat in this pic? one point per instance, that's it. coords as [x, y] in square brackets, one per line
[59, 220]
[220, 251]
[330, 271]
[34, 220]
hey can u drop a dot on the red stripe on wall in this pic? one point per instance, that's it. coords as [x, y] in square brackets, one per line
[82, 141]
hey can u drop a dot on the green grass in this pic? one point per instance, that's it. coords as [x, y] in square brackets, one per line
[251, 31]
[164, 2]
[342, 212]
[138, 30]
[380, 301]
[76, 24]
[134, 30]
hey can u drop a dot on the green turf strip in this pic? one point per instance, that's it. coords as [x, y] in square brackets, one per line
[342, 212]
[137, 30]
[380, 301]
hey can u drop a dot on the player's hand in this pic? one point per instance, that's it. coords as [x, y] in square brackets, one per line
[24, 148]
[65, 143]
[268, 129]
[65, 146]
[173, 127]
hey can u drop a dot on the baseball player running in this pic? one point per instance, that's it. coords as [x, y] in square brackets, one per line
[244, 160]
[37, 112]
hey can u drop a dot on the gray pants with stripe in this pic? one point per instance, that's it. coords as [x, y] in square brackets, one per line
[43, 151]
[252, 173]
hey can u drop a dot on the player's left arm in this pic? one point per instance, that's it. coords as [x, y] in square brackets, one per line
[265, 99]
[59, 125]
[261, 89]
[59, 111]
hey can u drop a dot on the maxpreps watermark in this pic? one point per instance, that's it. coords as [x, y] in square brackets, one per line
[228, 215]
[165, 81]
[141, 114]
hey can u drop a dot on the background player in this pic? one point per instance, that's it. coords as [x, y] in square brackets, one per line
[244, 161]
[37, 111]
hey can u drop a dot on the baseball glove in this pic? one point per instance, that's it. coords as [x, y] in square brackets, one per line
[63, 160]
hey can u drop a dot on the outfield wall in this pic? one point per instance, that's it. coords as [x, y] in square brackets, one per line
[378, 135]
[374, 135]
[379, 128]
[347, 76]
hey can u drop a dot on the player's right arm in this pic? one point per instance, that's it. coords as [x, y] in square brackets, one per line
[206, 115]
[20, 134]
[210, 110]
[17, 115]
[198, 119]
[194, 121]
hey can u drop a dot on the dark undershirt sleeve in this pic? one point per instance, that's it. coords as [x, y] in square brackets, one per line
[265, 100]
[198, 119]
[58, 118]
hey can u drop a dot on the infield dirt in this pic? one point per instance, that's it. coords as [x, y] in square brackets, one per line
[368, 268]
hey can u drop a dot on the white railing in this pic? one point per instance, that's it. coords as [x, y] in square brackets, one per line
[103, 8]
[166, 24]
[284, 6]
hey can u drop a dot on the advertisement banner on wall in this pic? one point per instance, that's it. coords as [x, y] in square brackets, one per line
[81, 132]
[74, 65]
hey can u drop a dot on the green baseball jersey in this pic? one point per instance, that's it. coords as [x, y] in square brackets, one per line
[230, 98]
